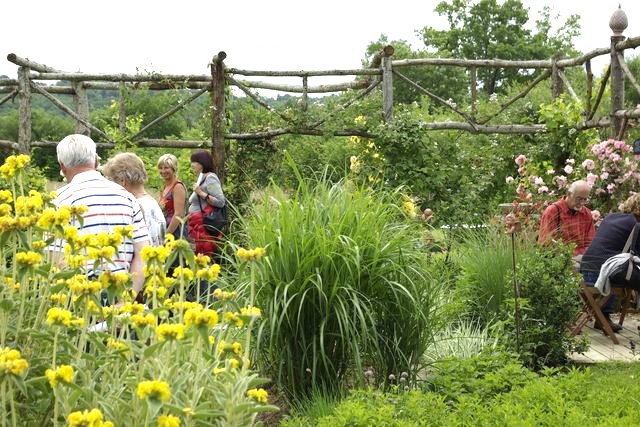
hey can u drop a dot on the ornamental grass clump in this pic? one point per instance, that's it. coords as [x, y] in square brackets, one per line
[66, 358]
[344, 283]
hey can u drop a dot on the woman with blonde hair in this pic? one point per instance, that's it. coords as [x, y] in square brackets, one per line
[609, 240]
[127, 169]
[173, 196]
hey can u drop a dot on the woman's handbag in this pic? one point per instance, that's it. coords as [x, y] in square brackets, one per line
[627, 274]
[215, 222]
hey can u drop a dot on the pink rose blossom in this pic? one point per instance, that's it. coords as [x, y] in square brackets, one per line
[551, 172]
[543, 189]
[615, 157]
[571, 161]
[509, 180]
[568, 169]
[521, 171]
[611, 188]
[538, 181]
[588, 164]
[591, 179]
[604, 175]
[520, 160]
[619, 145]
[595, 215]
[520, 190]
[561, 180]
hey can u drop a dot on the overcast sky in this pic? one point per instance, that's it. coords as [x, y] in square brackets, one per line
[181, 37]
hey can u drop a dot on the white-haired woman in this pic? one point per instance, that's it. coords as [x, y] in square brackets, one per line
[127, 169]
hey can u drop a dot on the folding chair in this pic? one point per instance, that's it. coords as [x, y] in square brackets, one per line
[593, 302]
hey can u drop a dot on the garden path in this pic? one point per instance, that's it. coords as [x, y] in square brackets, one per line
[602, 349]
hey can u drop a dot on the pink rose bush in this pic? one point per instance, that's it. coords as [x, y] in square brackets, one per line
[610, 168]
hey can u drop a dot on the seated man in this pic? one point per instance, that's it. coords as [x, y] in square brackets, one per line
[109, 206]
[569, 219]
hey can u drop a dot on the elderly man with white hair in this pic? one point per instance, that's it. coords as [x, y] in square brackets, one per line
[109, 206]
[569, 219]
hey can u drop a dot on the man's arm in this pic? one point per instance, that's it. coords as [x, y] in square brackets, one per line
[136, 268]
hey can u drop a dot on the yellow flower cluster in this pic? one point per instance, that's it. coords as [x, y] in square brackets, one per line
[168, 332]
[200, 317]
[28, 259]
[58, 298]
[116, 345]
[224, 295]
[10, 283]
[250, 311]
[224, 347]
[259, 394]
[251, 254]
[26, 205]
[131, 308]
[211, 273]
[6, 196]
[54, 217]
[231, 317]
[409, 208]
[81, 286]
[58, 316]
[122, 232]
[168, 421]
[13, 164]
[62, 374]
[360, 120]
[159, 253]
[92, 418]
[154, 390]
[11, 362]
[141, 321]
[183, 272]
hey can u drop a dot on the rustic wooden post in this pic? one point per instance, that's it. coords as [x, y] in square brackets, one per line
[617, 23]
[81, 103]
[556, 80]
[122, 112]
[387, 84]
[218, 115]
[473, 74]
[24, 125]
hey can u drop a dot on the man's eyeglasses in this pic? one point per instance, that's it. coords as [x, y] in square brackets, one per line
[582, 199]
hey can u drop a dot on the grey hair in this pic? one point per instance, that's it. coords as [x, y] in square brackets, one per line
[125, 167]
[76, 150]
[576, 184]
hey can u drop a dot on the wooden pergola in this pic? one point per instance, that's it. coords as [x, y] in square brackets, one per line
[381, 72]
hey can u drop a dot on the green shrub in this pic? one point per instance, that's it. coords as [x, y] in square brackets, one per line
[344, 283]
[549, 305]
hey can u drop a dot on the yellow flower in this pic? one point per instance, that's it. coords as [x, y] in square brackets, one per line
[251, 311]
[5, 209]
[13, 164]
[210, 274]
[202, 261]
[54, 217]
[231, 317]
[360, 120]
[355, 164]
[159, 253]
[63, 374]
[10, 283]
[183, 272]
[132, 308]
[168, 421]
[141, 321]
[224, 295]
[116, 345]
[170, 331]
[58, 316]
[11, 362]
[258, 394]
[154, 390]
[92, 418]
[251, 254]
[122, 232]
[410, 209]
[58, 298]
[199, 317]
[6, 196]
[28, 259]
[224, 347]
[81, 286]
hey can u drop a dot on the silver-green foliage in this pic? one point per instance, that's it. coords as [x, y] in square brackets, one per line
[344, 285]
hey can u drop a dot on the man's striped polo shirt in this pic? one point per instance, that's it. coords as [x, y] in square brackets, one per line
[110, 205]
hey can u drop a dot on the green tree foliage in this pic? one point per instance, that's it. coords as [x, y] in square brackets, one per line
[487, 29]
[446, 82]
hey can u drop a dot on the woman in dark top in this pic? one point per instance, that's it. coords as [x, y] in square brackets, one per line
[610, 238]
